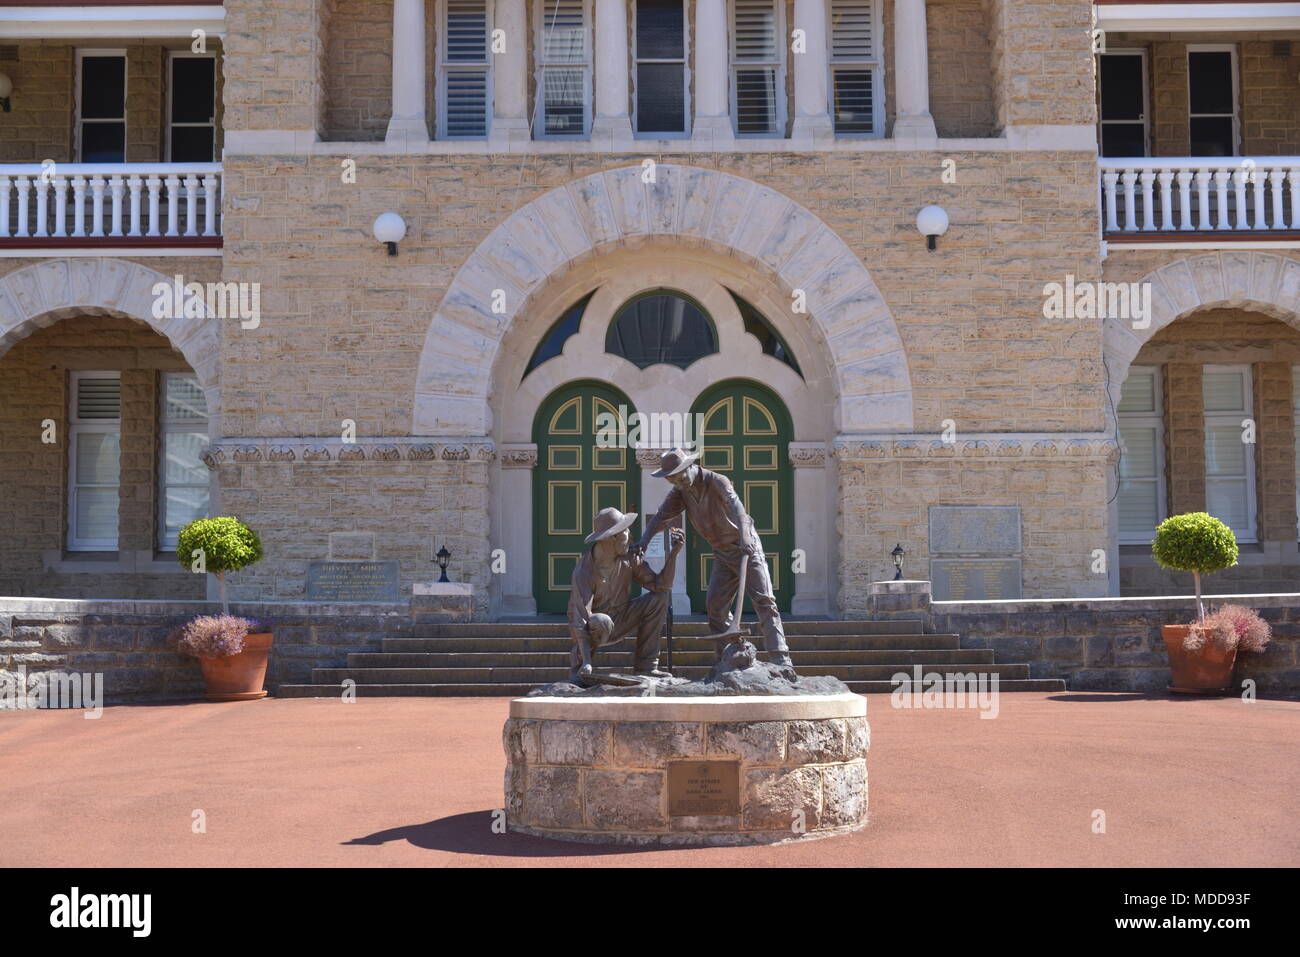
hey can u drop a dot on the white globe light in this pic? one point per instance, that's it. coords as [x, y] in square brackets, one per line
[6, 86]
[389, 228]
[932, 222]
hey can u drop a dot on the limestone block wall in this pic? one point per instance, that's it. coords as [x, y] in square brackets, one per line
[358, 71]
[886, 489]
[1042, 62]
[1115, 645]
[275, 64]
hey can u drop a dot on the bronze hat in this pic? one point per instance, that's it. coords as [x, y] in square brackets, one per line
[670, 463]
[608, 523]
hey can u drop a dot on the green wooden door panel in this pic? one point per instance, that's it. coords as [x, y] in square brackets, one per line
[573, 480]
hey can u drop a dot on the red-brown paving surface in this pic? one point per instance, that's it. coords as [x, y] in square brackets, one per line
[412, 782]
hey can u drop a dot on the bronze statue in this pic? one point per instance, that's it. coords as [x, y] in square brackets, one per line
[600, 611]
[718, 515]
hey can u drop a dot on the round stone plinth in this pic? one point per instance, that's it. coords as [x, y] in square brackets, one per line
[717, 770]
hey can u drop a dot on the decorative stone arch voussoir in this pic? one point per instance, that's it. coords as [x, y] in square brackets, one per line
[40, 295]
[691, 205]
[1258, 281]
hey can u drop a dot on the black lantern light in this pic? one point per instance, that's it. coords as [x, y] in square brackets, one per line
[897, 555]
[443, 557]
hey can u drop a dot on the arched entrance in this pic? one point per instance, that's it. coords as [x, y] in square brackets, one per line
[576, 476]
[746, 437]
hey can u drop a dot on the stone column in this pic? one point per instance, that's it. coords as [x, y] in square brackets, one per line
[653, 491]
[812, 493]
[512, 593]
[612, 122]
[712, 97]
[912, 71]
[811, 72]
[408, 126]
[510, 74]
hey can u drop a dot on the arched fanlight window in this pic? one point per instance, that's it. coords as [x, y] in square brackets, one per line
[756, 325]
[552, 343]
[661, 326]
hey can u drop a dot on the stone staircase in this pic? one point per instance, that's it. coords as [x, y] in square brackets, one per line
[509, 658]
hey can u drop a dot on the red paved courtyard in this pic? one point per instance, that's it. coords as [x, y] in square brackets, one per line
[413, 781]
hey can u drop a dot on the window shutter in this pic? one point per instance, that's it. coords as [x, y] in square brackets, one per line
[466, 87]
[99, 399]
[853, 30]
[756, 54]
[853, 65]
[564, 65]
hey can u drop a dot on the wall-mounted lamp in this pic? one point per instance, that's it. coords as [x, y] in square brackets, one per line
[932, 222]
[6, 88]
[389, 229]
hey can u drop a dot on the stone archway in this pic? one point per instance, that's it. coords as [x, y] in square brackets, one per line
[1258, 281]
[692, 205]
[40, 295]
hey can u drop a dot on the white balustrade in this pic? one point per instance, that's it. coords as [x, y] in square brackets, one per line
[1191, 194]
[123, 201]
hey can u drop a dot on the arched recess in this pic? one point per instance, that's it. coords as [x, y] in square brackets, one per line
[1252, 280]
[40, 295]
[693, 207]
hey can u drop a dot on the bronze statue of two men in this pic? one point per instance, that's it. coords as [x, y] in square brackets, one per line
[600, 611]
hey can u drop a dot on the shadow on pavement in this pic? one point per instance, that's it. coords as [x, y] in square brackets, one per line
[471, 833]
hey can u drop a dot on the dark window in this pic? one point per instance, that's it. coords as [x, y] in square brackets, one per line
[1123, 105]
[661, 327]
[552, 343]
[660, 67]
[103, 109]
[193, 109]
[1211, 103]
[756, 325]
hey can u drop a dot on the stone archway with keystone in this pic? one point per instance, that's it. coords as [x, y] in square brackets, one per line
[40, 295]
[697, 207]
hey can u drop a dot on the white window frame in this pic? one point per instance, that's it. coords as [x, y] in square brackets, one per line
[166, 425]
[1153, 419]
[1234, 418]
[1145, 121]
[172, 56]
[587, 67]
[1236, 89]
[82, 53]
[876, 64]
[736, 65]
[687, 49]
[76, 427]
[445, 67]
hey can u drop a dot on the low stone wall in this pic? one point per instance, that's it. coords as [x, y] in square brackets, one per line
[130, 642]
[1114, 644]
[597, 769]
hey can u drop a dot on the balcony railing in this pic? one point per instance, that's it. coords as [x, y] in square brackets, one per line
[124, 204]
[1247, 196]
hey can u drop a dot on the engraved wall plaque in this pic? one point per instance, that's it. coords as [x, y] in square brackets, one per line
[700, 788]
[975, 579]
[975, 530]
[352, 581]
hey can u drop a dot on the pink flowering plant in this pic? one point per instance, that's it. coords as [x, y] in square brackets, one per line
[1232, 626]
[214, 636]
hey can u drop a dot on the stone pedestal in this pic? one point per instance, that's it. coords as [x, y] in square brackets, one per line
[906, 599]
[438, 602]
[606, 770]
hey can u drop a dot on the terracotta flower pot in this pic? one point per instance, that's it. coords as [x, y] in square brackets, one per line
[239, 677]
[1208, 671]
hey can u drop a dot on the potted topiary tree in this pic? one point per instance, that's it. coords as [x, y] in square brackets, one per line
[232, 651]
[1199, 543]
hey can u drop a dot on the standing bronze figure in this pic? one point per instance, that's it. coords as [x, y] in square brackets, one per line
[719, 516]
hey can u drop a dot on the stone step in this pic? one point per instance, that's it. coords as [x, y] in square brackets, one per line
[519, 690]
[622, 657]
[797, 643]
[557, 627]
[536, 676]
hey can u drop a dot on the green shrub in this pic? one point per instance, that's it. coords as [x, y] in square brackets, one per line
[226, 545]
[1196, 542]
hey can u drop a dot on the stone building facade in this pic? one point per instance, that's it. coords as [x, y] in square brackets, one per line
[381, 407]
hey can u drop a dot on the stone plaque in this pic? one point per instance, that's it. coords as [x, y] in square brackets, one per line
[702, 788]
[974, 529]
[975, 579]
[352, 581]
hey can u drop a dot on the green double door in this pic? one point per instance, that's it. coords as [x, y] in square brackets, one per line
[573, 480]
[746, 437]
